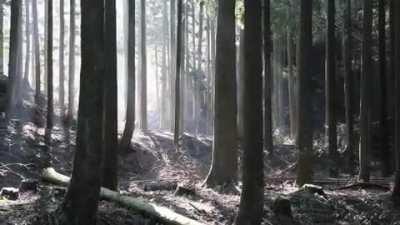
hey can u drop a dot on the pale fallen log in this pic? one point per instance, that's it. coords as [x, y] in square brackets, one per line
[163, 214]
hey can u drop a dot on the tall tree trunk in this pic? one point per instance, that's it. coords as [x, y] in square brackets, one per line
[178, 69]
[2, 38]
[71, 66]
[305, 91]
[172, 62]
[365, 112]
[49, 124]
[268, 140]
[61, 67]
[201, 31]
[348, 86]
[396, 41]
[251, 200]
[13, 72]
[110, 99]
[143, 68]
[45, 48]
[81, 201]
[28, 40]
[225, 147]
[164, 70]
[291, 84]
[384, 151]
[37, 50]
[330, 89]
[131, 100]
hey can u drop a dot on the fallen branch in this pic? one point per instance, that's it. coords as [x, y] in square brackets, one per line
[163, 214]
[365, 185]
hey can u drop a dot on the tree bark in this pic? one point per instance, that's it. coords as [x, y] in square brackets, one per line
[330, 89]
[13, 73]
[251, 200]
[71, 69]
[81, 201]
[49, 123]
[365, 112]
[2, 38]
[131, 89]
[61, 66]
[225, 146]
[201, 31]
[305, 92]
[110, 99]
[268, 139]
[178, 69]
[143, 68]
[383, 127]
[348, 86]
[396, 41]
[28, 39]
[37, 50]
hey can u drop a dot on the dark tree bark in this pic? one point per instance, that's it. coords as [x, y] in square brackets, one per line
[80, 203]
[172, 62]
[383, 127]
[143, 68]
[1, 37]
[131, 89]
[330, 89]
[110, 99]
[365, 112]
[178, 69]
[291, 84]
[305, 91]
[28, 39]
[225, 147]
[36, 45]
[164, 70]
[268, 140]
[348, 86]
[201, 31]
[14, 74]
[49, 123]
[71, 66]
[61, 67]
[396, 41]
[251, 200]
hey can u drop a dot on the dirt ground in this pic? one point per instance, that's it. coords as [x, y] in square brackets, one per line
[152, 169]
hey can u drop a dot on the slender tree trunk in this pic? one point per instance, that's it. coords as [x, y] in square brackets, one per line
[164, 70]
[37, 50]
[251, 200]
[172, 58]
[143, 68]
[304, 126]
[131, 100]
[291, 85]
[268, 141]
[61, 67]
[45, 48]
[225, 147]
[71, 69]
[365, 112]
[330, 89]
[348, 86]
[81, 201]
[110, 99]
[396, 41]
[2, 38]
[395, 8]
[28, 40]
[49, 124]
[201, 31]
[385, 152]
[13, 72]
[178, 69]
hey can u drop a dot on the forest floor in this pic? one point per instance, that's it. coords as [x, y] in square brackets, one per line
[152, 169]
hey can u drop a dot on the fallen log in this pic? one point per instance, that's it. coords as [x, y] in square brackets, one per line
[161, 213]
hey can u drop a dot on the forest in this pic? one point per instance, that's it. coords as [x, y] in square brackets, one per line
[200, 112]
